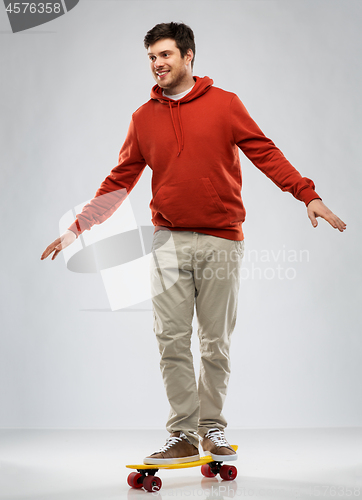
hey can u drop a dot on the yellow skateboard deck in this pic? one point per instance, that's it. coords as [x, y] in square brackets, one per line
[185, 465]
[203, 460]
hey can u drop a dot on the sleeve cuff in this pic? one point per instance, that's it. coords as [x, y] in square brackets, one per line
[307, 195]
[75, 228]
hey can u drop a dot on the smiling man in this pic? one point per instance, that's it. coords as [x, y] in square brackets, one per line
[189, 133]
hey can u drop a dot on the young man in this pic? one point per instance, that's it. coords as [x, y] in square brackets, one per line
[189, 133]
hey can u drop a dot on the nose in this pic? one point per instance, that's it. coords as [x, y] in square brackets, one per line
[157, 63]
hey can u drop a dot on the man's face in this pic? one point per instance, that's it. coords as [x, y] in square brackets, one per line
[168, 68]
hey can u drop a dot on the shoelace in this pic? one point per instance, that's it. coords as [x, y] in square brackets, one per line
[170, 442]
[217, 437]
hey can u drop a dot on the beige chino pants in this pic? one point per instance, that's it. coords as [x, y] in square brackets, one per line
[190, 271]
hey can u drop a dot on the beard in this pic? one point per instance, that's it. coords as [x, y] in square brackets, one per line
[174, 78]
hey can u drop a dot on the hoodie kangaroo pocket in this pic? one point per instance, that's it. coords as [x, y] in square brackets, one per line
[189, 203]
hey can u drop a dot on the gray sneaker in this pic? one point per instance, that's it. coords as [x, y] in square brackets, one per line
[177, 450]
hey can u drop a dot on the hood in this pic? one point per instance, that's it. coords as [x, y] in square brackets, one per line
[202, 85]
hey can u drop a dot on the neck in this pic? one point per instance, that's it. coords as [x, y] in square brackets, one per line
[181, 87]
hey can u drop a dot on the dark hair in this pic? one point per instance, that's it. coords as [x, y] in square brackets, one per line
[181, 33]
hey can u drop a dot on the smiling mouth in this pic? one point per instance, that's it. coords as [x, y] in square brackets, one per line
[161, 74]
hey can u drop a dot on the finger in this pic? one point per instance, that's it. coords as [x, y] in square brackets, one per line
[50, 248]
[336, 222]
[331, 221]
[341, 225]
[313, 219]
[47, 252]
[55, 253]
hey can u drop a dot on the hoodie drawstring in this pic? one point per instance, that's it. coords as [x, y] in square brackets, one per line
[180, 122]
[180, 144]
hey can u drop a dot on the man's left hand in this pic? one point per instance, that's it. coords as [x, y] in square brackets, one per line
[316, 208]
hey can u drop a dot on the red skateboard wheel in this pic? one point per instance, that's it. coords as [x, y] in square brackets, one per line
[134, 480]
[152, 483]
[206, 471]
[228, 472]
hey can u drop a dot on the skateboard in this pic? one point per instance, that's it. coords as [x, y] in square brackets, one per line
[146, 474]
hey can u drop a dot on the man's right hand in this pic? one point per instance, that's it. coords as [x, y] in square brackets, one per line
[64, 241]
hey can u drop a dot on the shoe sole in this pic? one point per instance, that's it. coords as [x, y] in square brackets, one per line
[161, 461]
[223, 458]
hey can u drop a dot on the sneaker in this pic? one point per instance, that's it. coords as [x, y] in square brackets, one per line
[177, 450]
[215, 444]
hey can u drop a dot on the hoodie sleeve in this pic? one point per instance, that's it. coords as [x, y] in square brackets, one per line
[266, 156]
[115, 187]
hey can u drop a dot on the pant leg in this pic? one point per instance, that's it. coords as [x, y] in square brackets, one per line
[173, 291]
[217, 278]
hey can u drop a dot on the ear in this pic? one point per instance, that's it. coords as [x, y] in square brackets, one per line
[189, 56]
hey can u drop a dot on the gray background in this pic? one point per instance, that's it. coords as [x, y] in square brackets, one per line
[68, 89]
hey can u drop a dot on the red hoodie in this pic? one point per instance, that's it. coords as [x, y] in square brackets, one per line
[191, 145]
